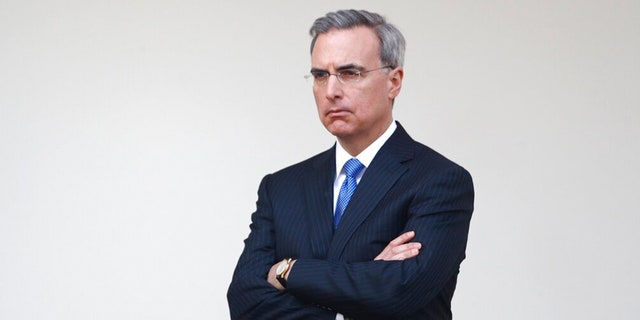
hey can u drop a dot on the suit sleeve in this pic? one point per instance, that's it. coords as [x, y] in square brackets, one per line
[250, 296]
[440, 214]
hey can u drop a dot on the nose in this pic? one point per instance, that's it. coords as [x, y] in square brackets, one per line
[333, 88]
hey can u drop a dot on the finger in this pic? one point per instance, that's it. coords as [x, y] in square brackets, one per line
[401, 252]
[403, 238]
[406, 247]
[407, 254]
[391, 249]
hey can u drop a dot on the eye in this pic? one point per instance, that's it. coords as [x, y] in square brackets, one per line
[318, 75]
[350, 74]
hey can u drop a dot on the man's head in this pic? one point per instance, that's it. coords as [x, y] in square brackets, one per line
[392, 43]
[356, 63]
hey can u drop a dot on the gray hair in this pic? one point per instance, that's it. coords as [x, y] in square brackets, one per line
[392, 44]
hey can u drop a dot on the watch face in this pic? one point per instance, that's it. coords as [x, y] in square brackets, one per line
[281, 267]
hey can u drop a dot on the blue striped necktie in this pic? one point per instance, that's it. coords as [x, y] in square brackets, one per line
[352, 169]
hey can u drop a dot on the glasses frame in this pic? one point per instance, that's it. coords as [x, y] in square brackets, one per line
[321, 78]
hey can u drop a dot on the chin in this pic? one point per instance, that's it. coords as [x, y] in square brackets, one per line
[338, 128]
[340, 132]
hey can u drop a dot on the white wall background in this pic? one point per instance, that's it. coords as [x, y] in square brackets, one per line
[133, 135]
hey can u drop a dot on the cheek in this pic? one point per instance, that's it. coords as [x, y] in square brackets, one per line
[317, 95]
[320, 104]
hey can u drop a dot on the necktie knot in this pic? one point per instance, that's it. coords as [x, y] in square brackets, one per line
[353, 167]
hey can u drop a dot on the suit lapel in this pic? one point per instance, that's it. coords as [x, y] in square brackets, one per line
[319, 202]
[385, 169]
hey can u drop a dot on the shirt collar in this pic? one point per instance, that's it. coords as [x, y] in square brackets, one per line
[366, 156]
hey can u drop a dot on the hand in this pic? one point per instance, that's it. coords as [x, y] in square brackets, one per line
[271, 276]
[400, 248]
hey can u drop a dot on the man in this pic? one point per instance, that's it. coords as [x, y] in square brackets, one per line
[392, 248]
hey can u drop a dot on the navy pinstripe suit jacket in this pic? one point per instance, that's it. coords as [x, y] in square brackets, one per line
[407, 186]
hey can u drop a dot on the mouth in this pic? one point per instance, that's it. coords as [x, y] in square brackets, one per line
[337, 112]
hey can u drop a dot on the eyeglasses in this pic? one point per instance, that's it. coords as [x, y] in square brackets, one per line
[351, 75]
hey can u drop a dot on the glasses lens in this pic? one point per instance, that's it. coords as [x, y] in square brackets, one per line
[349, 75]
[320, 77]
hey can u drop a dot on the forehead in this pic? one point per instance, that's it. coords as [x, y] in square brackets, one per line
[359, 45]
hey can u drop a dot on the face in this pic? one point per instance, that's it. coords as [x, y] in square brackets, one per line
[356, 113]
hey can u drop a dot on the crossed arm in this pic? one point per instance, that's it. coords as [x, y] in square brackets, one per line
[399, 248]
[439, 223]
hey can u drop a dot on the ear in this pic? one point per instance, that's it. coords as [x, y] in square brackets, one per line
[395, 82]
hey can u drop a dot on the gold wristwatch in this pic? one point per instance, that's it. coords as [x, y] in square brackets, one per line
[282, 269]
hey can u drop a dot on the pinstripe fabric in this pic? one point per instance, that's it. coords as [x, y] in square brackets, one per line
[407, 186]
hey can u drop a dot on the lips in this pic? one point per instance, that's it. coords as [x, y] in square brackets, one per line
[337, 112]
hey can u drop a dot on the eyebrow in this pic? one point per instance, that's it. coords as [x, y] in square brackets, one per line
[340, 68]
[350, 66]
